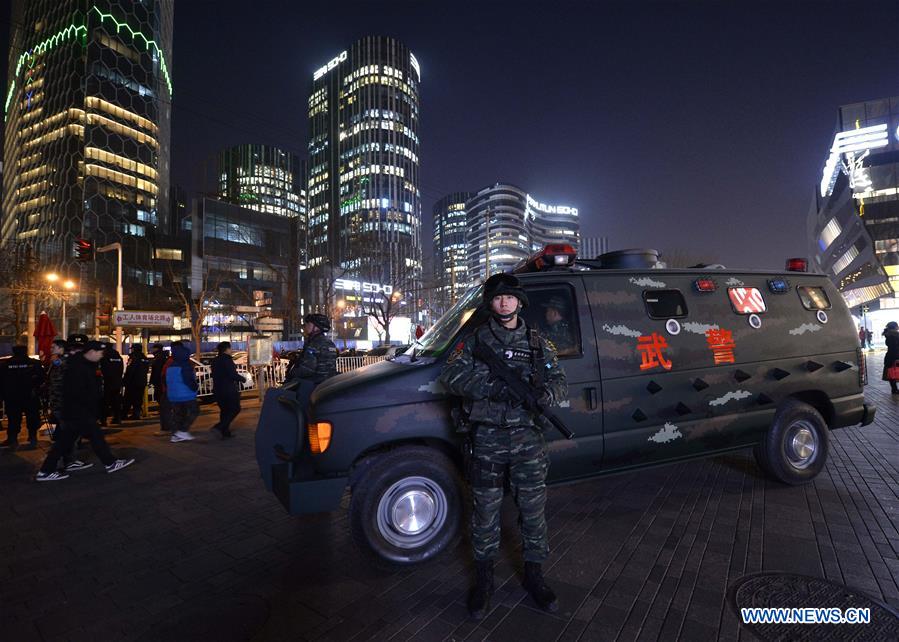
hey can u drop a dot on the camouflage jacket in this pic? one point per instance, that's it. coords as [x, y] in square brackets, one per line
[470, 378]
[560, 335]
[317, 361]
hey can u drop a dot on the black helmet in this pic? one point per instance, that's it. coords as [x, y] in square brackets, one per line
[319, 320]
[504, 284]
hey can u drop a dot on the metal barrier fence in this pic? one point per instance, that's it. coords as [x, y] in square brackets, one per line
[274, 374]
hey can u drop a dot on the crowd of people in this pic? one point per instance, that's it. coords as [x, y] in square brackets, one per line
[86, 385]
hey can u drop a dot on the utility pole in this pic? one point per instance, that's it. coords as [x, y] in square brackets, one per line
[119, 293]
[97, 312]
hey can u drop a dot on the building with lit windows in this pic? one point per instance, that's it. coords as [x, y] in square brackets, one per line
[506, 225]
[593, 246]
[450, 259]
[87, 112]
[853, 221]
[263, 178]
[362, 191]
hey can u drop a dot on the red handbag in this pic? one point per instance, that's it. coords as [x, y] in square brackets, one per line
[893, 372]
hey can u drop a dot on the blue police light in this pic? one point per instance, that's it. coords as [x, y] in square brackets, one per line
[778, 286]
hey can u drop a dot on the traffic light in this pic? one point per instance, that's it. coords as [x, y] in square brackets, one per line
[84, 250]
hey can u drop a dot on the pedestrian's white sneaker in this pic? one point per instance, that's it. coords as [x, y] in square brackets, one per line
[54, 476]
[77, 465]
[180, 435]
[119, 464]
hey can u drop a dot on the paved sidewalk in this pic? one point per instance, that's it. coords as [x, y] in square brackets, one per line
[186, 545]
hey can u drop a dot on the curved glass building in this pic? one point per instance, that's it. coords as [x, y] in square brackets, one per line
[450, 260]
[87, 112]
[262, 178]
[364, 204]
[497, 236]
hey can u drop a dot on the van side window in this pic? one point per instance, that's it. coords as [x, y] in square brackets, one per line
[813, 298]
[664, 304]
[553, 312]
[747, 300]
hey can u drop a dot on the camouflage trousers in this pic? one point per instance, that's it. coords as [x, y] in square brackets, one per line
[518, 452]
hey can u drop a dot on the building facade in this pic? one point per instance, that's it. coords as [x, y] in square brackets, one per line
[263, 178]
[593, 246]
[853, 220]
[450, 258]
[505, 225]
[87, 117]
[364, 203]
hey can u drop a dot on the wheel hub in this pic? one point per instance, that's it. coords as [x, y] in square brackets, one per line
[412, 512]
[802, 445]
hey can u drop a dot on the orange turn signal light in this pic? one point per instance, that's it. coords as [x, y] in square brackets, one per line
[319, 436]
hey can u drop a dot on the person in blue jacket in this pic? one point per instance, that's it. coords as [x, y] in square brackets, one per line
[181, 391]
[226, 388]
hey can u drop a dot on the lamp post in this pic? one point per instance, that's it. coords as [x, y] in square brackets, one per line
[119, 295]
[68, 284]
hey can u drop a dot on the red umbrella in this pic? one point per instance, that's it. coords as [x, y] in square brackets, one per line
[44, 333]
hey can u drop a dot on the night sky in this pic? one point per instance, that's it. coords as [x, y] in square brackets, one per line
[692, 128]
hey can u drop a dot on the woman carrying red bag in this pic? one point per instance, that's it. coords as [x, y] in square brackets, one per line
[890, 365]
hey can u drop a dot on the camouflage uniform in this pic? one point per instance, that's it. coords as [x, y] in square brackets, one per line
[505, 437]
[317, 361]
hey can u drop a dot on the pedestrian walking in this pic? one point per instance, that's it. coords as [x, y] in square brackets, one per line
[20, 384]
[504, 436]
[226, 388]
[891, 336]
[862, 336]
[81, 395]
[135, 380]
[869, 337]
[112, 366]
[181, 390]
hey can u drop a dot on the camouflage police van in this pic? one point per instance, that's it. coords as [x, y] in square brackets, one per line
[662, 365]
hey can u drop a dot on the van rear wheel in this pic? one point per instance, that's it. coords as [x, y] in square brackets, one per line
[794, 450]
[406, 507]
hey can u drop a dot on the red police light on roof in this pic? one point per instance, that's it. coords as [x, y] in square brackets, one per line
[797, 265]
[552, 255]
[704, 285]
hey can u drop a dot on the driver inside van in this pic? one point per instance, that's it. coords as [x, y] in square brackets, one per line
[556, 327]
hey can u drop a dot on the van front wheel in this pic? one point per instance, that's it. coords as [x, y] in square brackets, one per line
[794, 450]
[406, 507]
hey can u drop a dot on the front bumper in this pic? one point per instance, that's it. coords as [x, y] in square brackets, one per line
[302, 494]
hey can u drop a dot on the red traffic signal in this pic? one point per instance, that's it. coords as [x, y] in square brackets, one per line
[84, 250]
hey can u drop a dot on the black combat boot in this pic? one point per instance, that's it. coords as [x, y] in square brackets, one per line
[536, 586]
[479, 598]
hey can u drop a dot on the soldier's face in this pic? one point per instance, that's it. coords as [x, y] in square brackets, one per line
[553, 315]
[504, 304]
[308, 328]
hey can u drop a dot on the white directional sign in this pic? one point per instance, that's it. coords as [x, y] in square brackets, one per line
[142, 319]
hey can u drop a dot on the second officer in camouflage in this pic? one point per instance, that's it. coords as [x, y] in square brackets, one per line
[506, 439]
[318, 359]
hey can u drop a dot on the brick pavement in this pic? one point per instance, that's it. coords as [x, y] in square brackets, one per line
[187, 545]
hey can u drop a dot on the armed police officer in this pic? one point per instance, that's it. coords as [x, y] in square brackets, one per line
[558, 329]
[506, 440]
[318, 359]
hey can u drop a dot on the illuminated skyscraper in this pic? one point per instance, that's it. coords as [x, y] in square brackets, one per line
[450, 248]
[263, 178]
[363, 193]
[87, 114]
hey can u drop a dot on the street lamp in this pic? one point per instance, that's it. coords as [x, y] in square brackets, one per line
[52, 277]
[68, 284]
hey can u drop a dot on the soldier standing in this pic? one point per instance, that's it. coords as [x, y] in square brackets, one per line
[318, 359]
[20, 382]
[505, 439]
[558, 329]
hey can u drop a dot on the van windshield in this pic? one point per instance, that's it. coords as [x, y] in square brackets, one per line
[434, 341]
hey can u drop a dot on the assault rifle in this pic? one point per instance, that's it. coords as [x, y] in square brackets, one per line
[520, 391]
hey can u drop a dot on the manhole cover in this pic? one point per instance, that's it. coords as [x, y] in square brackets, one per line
[225, 619]
[779, 590]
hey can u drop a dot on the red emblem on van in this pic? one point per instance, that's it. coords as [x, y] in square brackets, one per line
[650, 349]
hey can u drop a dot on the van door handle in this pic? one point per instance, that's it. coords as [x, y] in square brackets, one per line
[591, 398]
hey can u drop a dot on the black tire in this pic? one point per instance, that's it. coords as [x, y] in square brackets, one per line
[380, 522]
[794, 450]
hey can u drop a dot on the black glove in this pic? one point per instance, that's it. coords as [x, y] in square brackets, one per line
[498, 391]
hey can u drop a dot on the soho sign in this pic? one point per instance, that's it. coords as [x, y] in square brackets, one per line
[361, 286]
[551, 209]
[336, 60]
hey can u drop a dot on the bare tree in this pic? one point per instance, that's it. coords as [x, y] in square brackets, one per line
[18, 281]
[196, 305]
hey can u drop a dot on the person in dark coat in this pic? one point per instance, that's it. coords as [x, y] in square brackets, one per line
[226, 388]
[81, 395]
[156, 366]
[891, 335]
[135, 380]
[112, 366]
[20, 382]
